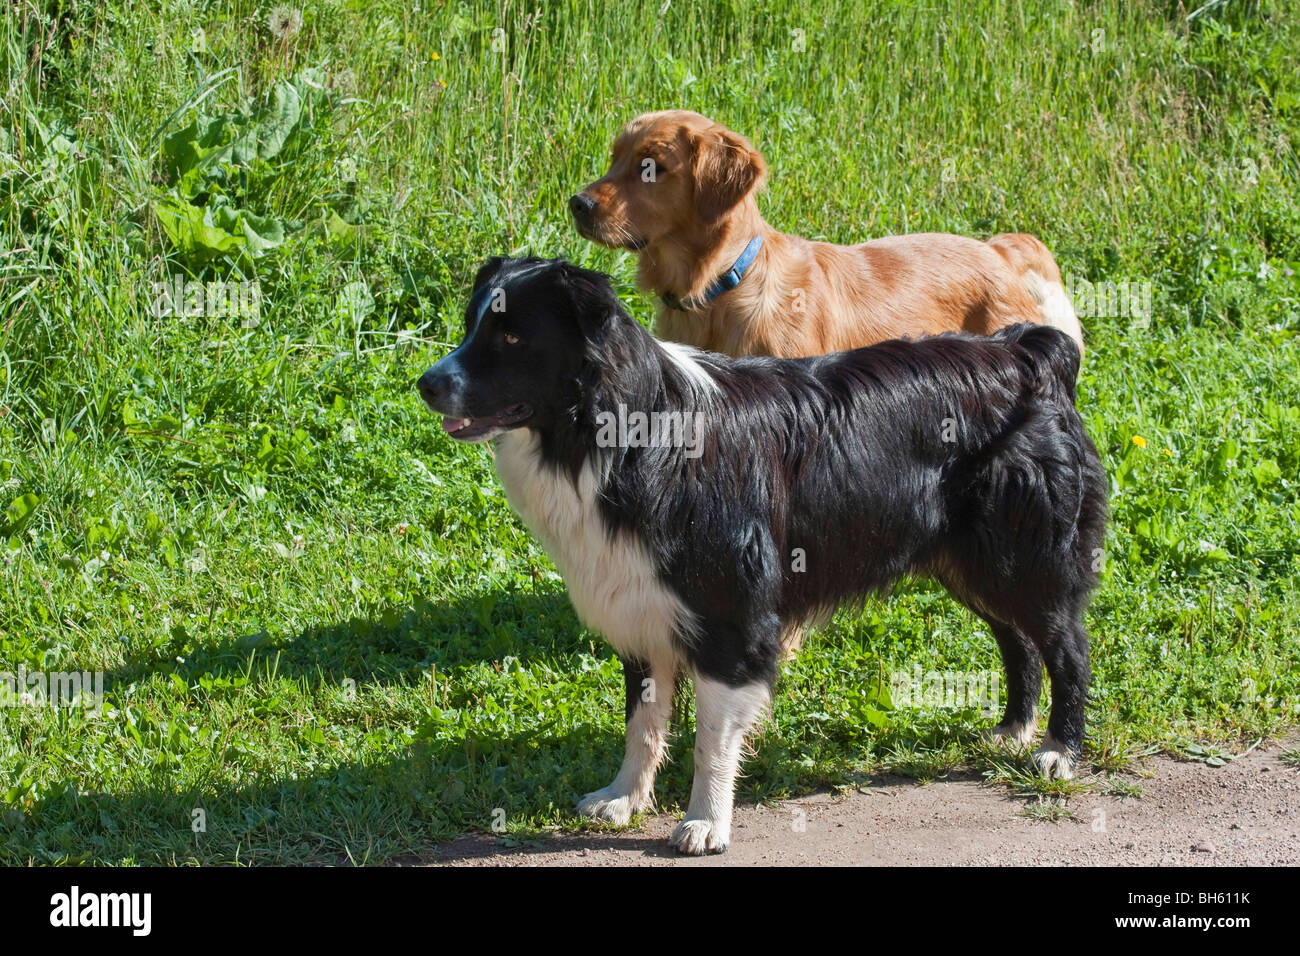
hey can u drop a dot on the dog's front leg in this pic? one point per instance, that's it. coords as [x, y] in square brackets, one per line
[649, 702]
[724, 716]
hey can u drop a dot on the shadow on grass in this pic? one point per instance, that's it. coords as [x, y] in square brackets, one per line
[390, 644]
[403, 805]
[447, 781]
[405, 809]
[434, 784]
[344, 813]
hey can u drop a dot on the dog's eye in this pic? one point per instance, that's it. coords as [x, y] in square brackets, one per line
[511, 339]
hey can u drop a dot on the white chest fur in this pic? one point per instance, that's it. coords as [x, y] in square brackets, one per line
[610, 577]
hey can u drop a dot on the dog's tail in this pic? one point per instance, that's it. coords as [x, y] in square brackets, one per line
[1033, 263]
[1053, 356]
[1072, 514]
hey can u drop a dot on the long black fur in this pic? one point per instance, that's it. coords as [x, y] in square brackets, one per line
[957, 457]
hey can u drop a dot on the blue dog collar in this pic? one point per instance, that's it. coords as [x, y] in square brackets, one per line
[723, 283]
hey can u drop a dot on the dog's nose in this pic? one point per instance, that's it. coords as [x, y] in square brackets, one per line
[443, 386]
[581, 206]
[432, 387]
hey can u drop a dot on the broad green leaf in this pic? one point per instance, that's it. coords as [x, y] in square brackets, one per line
[260, 233]
[339, 229]
[19, 513]
[192, 231]
[278, 120]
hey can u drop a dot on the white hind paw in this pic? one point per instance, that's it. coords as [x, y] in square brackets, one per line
[1053, 759]
[697, 837]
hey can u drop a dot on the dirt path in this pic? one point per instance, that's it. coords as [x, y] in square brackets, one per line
[1245, 813]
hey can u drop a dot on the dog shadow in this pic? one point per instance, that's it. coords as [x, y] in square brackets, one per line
[347, 812]
[388, 645]
[472, 847]
[344, 811]
[444, 783]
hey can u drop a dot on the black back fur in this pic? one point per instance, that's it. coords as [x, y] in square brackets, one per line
[958, 457]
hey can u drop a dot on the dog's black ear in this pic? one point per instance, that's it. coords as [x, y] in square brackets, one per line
[592, 297]
[474, 307]
[727, 168]
[486, 271]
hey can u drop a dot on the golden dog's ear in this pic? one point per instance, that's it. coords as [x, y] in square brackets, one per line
[727, 168]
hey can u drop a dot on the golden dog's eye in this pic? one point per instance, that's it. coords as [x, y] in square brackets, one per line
[512, 339]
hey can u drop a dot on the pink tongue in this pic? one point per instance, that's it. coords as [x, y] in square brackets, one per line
[453, 425]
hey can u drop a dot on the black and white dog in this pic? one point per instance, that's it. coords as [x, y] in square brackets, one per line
[672, 488]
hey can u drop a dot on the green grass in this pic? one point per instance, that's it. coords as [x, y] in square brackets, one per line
[320, 623]
[1047, 811]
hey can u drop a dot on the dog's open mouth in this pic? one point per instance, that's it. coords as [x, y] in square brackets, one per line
[477, 429]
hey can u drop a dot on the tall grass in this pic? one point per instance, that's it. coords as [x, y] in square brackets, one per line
[319, 620]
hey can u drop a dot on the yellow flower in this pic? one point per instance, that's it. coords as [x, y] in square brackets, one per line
[1139, 441]
[436, 57]
[1168, 453]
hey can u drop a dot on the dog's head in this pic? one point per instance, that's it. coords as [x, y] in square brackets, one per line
[672, 173]
[528, 326]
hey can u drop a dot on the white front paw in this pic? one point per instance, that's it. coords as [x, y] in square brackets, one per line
[1053, 760]
[610, 805]
[697, 837]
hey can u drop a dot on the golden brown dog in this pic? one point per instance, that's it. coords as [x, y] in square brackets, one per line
[680, 191]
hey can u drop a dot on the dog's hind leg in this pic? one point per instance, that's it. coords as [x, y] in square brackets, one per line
[649, 689]
[1024, 667]
[1065, 651]
[724, 715]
